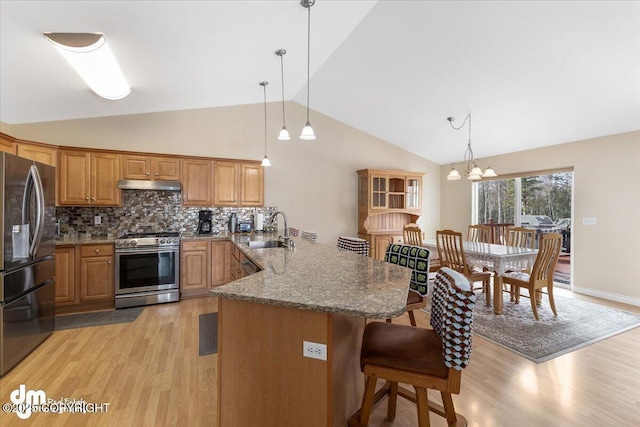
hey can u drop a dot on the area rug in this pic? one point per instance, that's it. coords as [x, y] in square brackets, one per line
[208, 334]
[86, 320]
[578, 324]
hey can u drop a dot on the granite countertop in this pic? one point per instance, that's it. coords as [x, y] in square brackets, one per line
[320, 278]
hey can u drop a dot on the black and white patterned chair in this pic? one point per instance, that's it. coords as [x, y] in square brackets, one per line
[353, 244]
[417, 259]
[424, 358]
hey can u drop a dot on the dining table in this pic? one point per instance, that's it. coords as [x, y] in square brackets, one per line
[496, 258]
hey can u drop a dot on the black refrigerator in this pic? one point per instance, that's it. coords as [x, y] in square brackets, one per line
[27, 267]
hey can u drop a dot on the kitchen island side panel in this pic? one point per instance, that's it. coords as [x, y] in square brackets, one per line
[263, 378]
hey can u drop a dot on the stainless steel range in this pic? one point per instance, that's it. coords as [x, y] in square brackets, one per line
[147, 269]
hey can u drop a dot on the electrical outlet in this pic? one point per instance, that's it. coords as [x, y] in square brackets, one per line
[97, 220]
[314, 350]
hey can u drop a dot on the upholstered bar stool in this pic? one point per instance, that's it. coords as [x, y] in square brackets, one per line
[353, 244]
[424, 358]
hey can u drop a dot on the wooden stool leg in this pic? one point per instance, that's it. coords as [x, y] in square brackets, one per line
[423, 407]
[393, 398]
[449, 410]
[412, 318]
[367, 400]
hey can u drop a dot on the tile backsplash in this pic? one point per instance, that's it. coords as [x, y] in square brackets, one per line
[144, 211]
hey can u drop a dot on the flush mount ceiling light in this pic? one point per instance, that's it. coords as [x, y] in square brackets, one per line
[307, 131]
[473, 171]
[265, 159]
[90, 56]
[284, 133]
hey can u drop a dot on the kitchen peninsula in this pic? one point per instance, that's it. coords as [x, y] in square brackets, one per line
[315, 294]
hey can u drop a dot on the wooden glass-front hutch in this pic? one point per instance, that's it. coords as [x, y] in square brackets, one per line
[387, 200]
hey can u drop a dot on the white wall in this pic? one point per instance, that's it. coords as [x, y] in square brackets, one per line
[606, 186]
[313, 182]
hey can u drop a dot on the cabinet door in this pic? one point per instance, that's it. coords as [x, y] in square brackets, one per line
[225, 184]
[96, 279]
[196, 182]
[381, 243]
[39, 153]
[65, 275]
[414, 192]
[220, 263]
[252, 185]
[378, 192]
[136, 167]
[105, 174]
[166, 168]
[195, 269]
[74, 178]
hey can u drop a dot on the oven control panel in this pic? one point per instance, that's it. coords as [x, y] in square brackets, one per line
[147, 241]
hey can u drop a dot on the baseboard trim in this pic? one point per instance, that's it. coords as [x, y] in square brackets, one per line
[608, 296]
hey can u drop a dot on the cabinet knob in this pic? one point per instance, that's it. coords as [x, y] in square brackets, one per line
[156, 173]
[93, 199]
[97, 251]
[194, 245]
[147, 173]
[86, 198]
[109, 262]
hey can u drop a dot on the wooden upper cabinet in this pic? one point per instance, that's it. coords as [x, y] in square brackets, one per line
[39, 153]
[196, 177]
[147, 167]
[7, 144]
[252, 185]
[105, 174]
[238, 184]
[86, 178]
[225, 179]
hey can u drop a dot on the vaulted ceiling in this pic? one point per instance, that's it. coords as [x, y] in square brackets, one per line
[533, 73]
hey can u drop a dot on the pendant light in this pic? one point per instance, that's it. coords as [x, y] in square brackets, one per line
[307, 131]
[473, 171]
[284, 133]
[265, 159]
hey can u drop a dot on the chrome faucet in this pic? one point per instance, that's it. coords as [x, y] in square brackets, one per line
[286, 237]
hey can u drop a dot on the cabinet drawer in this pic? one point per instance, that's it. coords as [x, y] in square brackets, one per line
[195, 245]
[95, 250]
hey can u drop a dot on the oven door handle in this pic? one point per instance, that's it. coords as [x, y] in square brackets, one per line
[145, 251]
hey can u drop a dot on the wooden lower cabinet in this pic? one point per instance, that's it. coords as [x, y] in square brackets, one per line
[220, 262]
[84, 277]
[195, 268]
[205, 263]
[65, 275]
[96, 273]
[379, 242]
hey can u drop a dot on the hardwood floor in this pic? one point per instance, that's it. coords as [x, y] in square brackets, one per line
[150, 373]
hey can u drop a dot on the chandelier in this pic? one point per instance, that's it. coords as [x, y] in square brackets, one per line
[473, 171]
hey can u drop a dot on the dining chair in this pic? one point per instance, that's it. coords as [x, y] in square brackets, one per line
[412, 235]
[479, 233]
[417, 259]
[541, 275]
[353, 244]
[521, 237]
[424, 358]
[451, 254]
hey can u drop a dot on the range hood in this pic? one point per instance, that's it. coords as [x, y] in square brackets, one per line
[142, 184]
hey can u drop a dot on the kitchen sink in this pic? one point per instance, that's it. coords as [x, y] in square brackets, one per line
[265, 244]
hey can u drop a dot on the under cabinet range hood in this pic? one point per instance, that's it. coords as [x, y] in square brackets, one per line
[141, 184]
